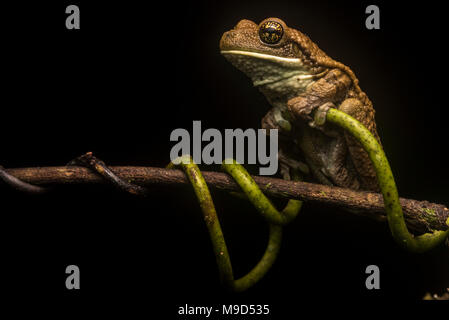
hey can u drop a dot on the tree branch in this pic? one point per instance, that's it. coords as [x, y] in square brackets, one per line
[420, 216]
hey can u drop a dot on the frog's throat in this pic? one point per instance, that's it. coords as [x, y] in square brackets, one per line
[288, 75]
[295, 64]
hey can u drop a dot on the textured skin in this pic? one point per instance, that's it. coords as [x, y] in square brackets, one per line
[333, 157]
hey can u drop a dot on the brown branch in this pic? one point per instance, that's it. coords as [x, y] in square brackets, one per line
[421, 216]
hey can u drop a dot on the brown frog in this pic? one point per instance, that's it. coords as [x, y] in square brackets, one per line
[297, 78]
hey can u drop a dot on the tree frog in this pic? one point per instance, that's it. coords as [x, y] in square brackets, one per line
[298, 78]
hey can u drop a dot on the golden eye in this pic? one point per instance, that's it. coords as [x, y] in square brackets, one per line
[271, 32]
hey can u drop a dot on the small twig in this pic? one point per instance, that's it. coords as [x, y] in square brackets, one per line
[20, 185]
[421, 216]
[88, 160]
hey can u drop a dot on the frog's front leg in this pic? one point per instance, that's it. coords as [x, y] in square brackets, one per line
[326, 91]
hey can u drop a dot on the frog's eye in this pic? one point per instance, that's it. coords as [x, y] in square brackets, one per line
[271, 32]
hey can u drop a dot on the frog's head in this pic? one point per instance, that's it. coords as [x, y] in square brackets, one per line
[272, 54]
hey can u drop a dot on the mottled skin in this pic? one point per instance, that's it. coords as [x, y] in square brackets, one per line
[297, 77]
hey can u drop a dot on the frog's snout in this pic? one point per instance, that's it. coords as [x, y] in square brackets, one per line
[226, 38]
[234, 38]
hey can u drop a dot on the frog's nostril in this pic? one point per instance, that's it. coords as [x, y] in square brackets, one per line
[228, 35]
[227, 39]
[243, 24]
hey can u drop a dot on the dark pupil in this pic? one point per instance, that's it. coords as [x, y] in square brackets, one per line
[271, 32]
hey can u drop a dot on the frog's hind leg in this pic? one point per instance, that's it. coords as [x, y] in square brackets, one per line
[360, 159]
[337, 165]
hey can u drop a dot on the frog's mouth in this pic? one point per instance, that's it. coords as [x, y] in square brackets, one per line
[287, 61]
[267, 69]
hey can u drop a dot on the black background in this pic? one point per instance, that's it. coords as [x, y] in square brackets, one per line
[132, 74]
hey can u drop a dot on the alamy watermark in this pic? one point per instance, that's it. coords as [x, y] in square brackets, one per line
[373, 19]
[212, 152]
[73, 19]
[73, 279]
[373, 280]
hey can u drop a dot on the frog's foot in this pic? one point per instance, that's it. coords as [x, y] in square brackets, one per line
[285, 171]
[310, 110]
[19, 184]
[319, 118]
[287, 164]
[88, 160]
[301, 107]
